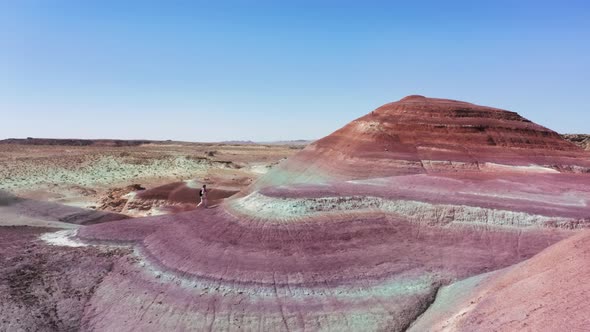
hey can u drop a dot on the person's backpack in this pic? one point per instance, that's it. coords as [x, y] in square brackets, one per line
[201, 193]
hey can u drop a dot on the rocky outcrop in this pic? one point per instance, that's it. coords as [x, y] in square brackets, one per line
[171, 198]
[428, 135]
[116, 199]
[582, 141]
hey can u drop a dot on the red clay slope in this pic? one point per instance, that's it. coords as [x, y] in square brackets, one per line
[426, 135]
[549, 292]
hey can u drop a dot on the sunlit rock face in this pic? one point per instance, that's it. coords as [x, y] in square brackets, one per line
[359, 231]
[539, 294]
[427, 135]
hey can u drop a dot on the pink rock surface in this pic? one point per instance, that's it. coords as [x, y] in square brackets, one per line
[357, 232]
[429, 135]
[209, 265]
[173, 198]
[48, 211]
[179, 192]
[46, 288]
[549, 292]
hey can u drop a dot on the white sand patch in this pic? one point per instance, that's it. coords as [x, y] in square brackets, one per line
[430, 148]
[156, 211]
[370, 182]
[446, 165]
[259, 169]
[193, 184]
[520, 169]
[62, 238]
[400, 181]
[130, 196]
[570, 199]
[367, 126]
[78, 204]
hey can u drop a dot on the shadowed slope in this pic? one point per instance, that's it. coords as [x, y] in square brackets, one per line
[549, 292]
[36, 213]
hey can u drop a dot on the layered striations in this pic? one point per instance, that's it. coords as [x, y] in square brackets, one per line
[359, 231]
[427, 135]
[546, 293]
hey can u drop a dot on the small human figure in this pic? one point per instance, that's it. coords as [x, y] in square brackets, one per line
[203, 195]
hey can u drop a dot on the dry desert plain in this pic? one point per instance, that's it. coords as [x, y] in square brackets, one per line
[423, 215]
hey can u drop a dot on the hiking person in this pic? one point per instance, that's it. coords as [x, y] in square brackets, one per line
[203, 195]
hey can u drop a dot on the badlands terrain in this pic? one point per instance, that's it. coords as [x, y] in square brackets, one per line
[97, 174]
[423, 215]
[48, 185]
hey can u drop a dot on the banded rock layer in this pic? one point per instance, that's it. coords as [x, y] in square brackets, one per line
[359, 231]
[427, 135]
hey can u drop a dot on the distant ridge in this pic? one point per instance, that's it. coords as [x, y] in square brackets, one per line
[74, 142]
[580, 140]
[299, 142]
[238, 142]
[120, 142]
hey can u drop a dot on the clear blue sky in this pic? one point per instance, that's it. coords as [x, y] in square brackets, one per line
[210, 71]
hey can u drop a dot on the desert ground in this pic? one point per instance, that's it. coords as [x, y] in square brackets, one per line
[97, 176]
[57, 184]
[423, 215]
